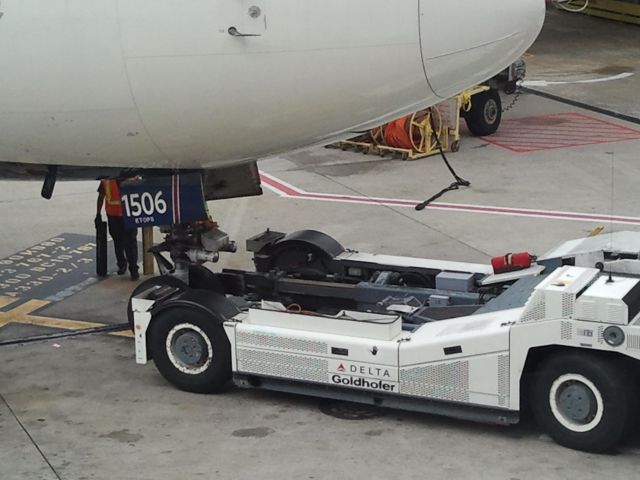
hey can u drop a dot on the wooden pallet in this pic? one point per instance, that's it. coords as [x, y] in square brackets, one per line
[380, 150]
[622, 11]
[448, 113]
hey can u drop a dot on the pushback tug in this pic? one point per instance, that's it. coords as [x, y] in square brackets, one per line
[559, 335]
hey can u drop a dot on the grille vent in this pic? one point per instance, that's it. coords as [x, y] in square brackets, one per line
[566, 331]
[446, 382]
[278, 342]
[282, 365]
[567, 305]
[535, 310]
[503, 379]
[633, 342]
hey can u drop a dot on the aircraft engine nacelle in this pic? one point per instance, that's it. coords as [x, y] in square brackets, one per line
[488, 37]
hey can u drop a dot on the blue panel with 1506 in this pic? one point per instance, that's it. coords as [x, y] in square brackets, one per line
[166, 200]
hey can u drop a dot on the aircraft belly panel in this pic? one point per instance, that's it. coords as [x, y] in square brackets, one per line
[64, 93]
[208, 98]
[279, 101]
[99, 138]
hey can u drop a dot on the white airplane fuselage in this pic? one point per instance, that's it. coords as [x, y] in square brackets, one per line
[163, 84]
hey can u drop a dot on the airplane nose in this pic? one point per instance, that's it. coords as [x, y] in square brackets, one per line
[491, 35]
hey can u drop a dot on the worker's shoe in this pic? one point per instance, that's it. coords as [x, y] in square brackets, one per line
[135, 275]
[122, 270]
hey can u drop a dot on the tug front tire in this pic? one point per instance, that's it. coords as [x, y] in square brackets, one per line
[191, 350]
[582, 401]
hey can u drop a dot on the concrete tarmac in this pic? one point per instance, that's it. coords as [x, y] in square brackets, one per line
[80, 408]
[575, 50]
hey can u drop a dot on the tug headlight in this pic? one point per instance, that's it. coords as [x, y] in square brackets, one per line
[614, 336]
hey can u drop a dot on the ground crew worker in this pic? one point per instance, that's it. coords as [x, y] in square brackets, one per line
[125, 240]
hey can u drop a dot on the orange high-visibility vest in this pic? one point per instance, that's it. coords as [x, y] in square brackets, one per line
[112, 202]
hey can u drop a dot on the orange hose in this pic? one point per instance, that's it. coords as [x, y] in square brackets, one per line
[397, 133]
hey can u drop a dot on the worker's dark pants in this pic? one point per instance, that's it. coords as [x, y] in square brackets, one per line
[125, 243]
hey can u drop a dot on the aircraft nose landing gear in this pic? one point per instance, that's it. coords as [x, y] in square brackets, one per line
[189, 246]
[177, 204]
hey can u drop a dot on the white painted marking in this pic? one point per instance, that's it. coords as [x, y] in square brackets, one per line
[548, 83]
[287, 190]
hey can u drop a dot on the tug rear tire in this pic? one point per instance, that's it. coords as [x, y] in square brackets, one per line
[200, 277]
[582, 401]
[160, 281]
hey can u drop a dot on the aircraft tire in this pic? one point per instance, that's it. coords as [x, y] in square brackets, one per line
[486, 113]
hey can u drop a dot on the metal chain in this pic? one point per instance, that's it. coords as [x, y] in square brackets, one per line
[516, 96]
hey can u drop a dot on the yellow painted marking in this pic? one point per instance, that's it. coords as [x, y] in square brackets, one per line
[58, 323]
[27, 307]
[124, 333]
[596, 231]
[4, 301]
[23, 314]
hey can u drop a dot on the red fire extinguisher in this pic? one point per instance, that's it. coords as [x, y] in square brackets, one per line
[511, 262]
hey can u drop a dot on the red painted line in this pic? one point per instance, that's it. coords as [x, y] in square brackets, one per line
[528, 134]
[585, 144]
[285, 190]
[568, 133]
[542, 141]
[562, 126]
[623, 127]
[530, 141]
[536, 146]
[525, 149]
[561, 137]
[575, 119]
[497, 144]
[281, 187]
[537, 125]
[540, 144]
[593, 127]
[176, 199]
[557, 140]
[544, 144]
[513, 131]
[581, 144]
[553, 133]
